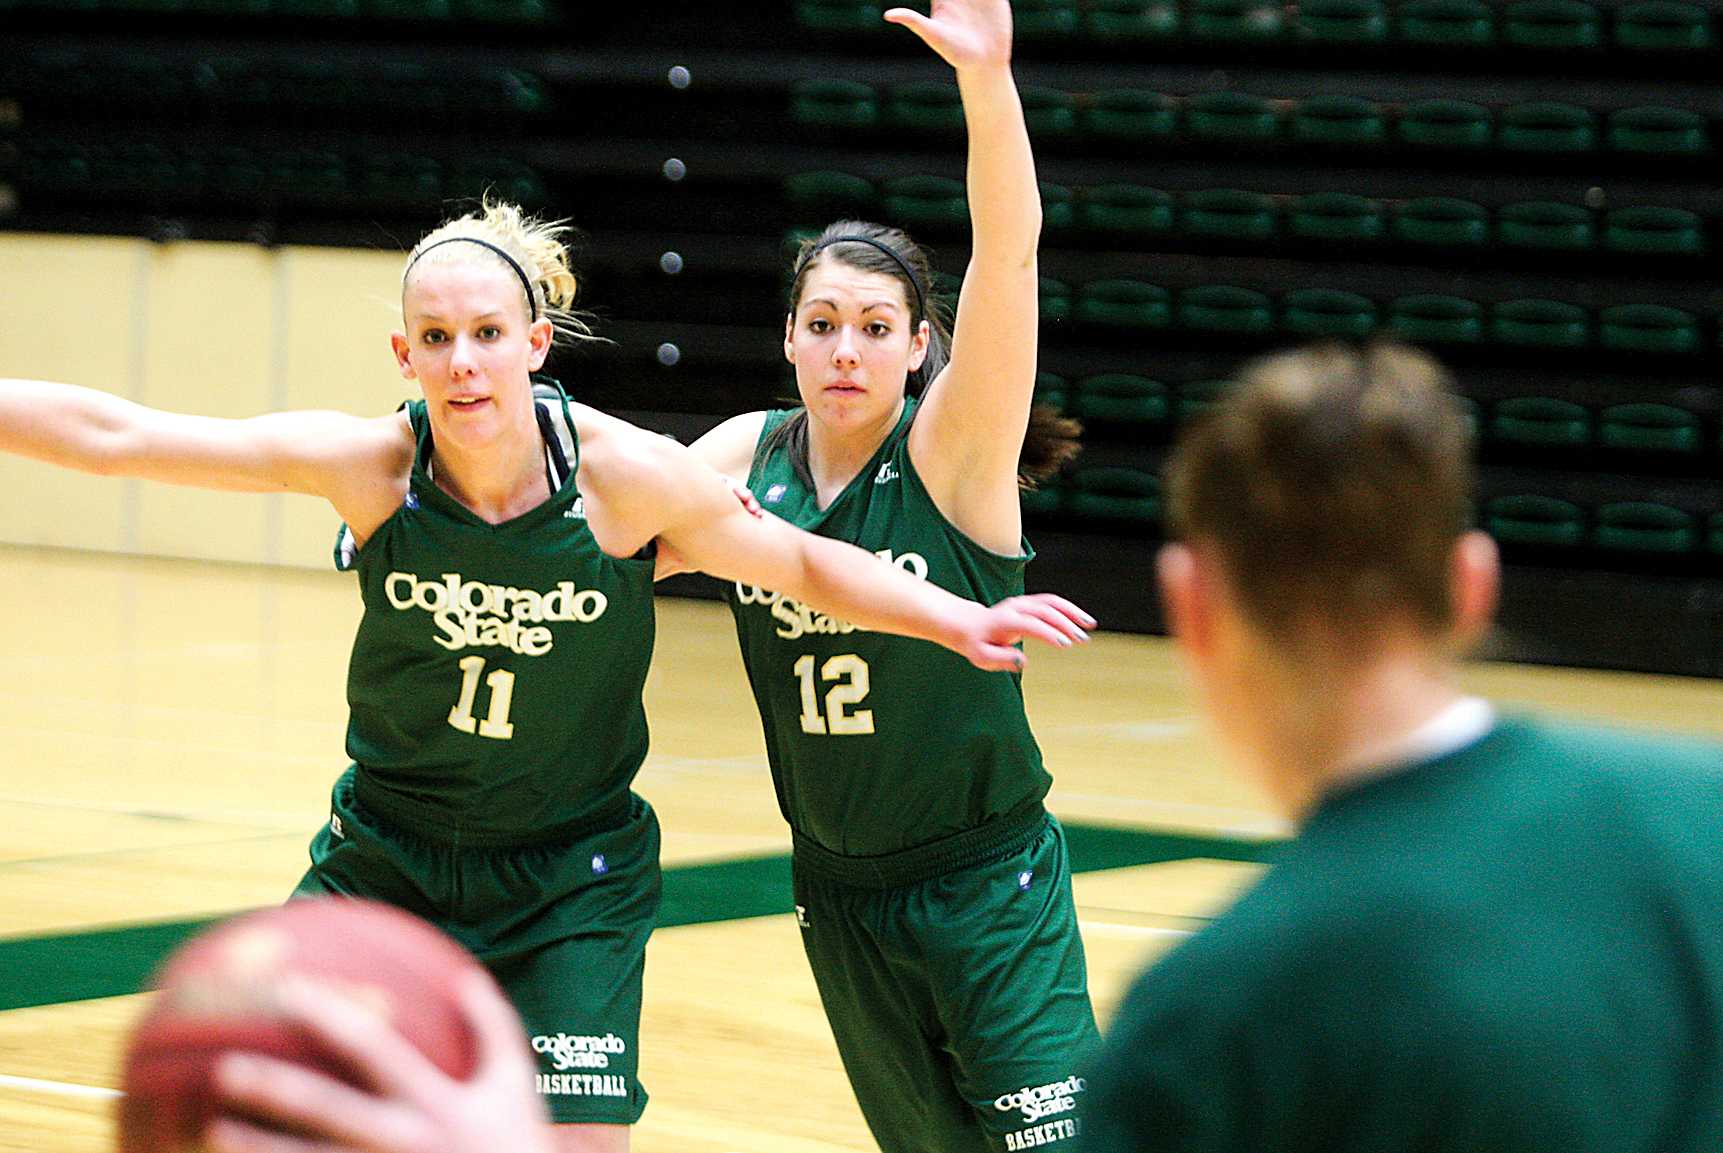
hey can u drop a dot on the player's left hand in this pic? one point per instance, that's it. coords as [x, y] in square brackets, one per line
[967, 34]
[988, 635]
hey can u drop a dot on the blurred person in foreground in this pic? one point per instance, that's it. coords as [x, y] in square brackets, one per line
[1491, 932]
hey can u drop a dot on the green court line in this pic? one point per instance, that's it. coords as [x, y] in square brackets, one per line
[81, 966]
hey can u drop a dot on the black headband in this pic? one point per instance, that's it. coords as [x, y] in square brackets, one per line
[914, 280]
[531, 300]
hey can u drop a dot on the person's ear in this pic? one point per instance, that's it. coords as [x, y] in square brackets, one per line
[398, 342]
[1474, 585]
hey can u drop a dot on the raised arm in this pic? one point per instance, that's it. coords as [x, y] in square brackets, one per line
[358, 464]
[969, 432]
[649, 487]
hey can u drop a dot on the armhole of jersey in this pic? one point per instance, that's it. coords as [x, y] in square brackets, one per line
[1011, 563]
[557, 423]
[346, 549]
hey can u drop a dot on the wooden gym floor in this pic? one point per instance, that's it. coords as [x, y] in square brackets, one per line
[169, 731]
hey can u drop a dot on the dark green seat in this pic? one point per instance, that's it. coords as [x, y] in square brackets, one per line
[816, 197]
[1227, 309]
[1642, 427]
[1541, 422]
[1653, 230]
[1644, 526]
[1058, 208]
[1664, 26]
[1442, 222]
[839, 15]
[1559, 24]
[1112, 493]
[509, 179]
[1658, 131]
[1653, 328]
[304, 9]
[1129, 114]
[1048, 112]
[1433, 318]
[1341, 22]
[1327, 314]
[1344, 120]
[1044, 19]
[1126, 210]
[1536, 323]
[1052, 390]
[154, 173]
[1123, 304]
[934, 203]
[1337, 217]
[52, 166]
[406, 9]
[1053, 300]
[1120, 398]
[834, 103]
[926, 106]
[1443, 123]
[402, 180]
[1547, 126]
[1532, 519]
[1236, 21]
[1446, 24]
[507, 11]
[1044, 499]
[1229, 214]
[1714, 534]
[1131, 20]
[1198, 397]
[1546, 224]
[1232, 116]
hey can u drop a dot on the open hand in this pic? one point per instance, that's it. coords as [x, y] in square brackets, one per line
[416, 1107]
[967, 34]
[989, 634]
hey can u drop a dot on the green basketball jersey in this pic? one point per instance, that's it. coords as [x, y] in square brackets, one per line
[881, 743]
[495, 680]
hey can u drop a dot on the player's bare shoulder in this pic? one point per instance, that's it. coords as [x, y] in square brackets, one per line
[627, 477]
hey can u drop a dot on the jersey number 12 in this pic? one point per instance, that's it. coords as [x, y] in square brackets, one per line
[851, 674]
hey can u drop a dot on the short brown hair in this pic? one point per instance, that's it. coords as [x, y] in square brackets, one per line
[1334, 483]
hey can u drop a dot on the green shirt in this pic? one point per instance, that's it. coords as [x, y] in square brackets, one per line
[495, 680]
[882, 743]
[1516, 947]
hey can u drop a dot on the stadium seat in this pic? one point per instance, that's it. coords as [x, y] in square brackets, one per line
[1547, 126]
[1120, 398]
[405, 9]
[1058, 208]
[1433, 318]
[1442, 222]
[932, 106]
[1648, 328]
[508, 179]
[1559, 24]
[1446, 24]
[1033, 20]
[1114, 494]
[1541, 422]
[1658, 131]
[1226, 309]
[1229, 214]
[507, 11]
[1053, 300]
[1049, 113]
[1546, 224]
[1341, 22]
[402, 180]
[1123, 304]
[931, 203]
[1714, 534]
[1237, 21]
[1236, 117]
[1044, 499]
[1337, 217]
[834, 103]
[1345, 120]
[839, 15]
[1327, 314]
[1652, 230]
[1534, 323]
[1650, 428]
[1126, 210]
[1443, 123]
[1664, 26]
[1197, 397]
[1645, 527]
[1052, 390]
[1533, 519]
[1131, 20]
[816, 197]
[1129, 114]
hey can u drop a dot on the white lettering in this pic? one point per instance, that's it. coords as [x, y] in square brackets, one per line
[1043, 1100]
[471, 614]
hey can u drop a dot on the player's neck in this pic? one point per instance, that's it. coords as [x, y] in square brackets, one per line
[498, 482]
[836, 455]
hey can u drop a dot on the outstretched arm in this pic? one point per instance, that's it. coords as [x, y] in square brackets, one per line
[969, 432]
[662, 490]
[358, 464]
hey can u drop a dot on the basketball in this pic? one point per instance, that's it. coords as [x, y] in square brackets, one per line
[217, 993]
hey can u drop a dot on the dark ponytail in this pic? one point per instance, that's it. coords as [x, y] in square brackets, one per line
[1051, 439]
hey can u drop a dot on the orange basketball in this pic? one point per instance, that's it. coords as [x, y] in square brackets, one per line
[217, 994]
